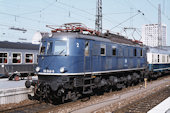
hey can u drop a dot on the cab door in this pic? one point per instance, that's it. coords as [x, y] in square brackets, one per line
[87, 57]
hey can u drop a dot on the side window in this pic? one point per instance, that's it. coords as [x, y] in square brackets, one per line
[3, 58]
[158, 58]
[49, 48]
[29, 58]
[86, 49]
[135, 52]
[42, 48]
[141, 52]
[103, 50]
[113, 50]
[16, 58]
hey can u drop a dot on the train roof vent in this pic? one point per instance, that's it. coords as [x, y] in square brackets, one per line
[73, 27]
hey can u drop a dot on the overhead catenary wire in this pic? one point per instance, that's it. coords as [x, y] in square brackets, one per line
[42, 9]
[35, 20]
[115, 13]
[73, 14]
[64, 4]
[17, 16]
[84, 11]
[156, 8]
[139, 12]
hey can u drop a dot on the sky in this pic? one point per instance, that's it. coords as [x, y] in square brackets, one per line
[34, 15]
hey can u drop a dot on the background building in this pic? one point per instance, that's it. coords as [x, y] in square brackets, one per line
[150, 35]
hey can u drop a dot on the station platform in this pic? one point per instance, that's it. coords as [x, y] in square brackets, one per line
[163, 107]
[13, 91]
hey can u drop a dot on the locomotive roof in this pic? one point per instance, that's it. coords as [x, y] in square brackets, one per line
[18, 45]
[104, 38]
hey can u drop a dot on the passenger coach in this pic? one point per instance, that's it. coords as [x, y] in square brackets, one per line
[158, 60]
[17, 59]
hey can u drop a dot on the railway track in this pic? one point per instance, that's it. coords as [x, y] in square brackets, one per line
[145, 104]
[29, 108]
[96, 102]
[135, 94]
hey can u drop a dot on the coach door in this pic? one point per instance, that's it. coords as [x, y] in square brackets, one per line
[87, 57]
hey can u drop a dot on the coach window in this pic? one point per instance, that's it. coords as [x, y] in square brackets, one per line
[16, 58]
[135, 52]
[167, 59]
[163, 58]
[158, 58]
[3, 58]
[113, 50]
[86, 50]
[103, 50]
[28, 58]
[153, 58]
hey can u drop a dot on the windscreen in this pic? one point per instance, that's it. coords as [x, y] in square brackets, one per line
[60, 48]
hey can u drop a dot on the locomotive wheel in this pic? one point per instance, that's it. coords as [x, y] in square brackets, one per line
[75, 96]
[27, 84]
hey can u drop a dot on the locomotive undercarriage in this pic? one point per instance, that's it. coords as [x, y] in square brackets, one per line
[59, 89]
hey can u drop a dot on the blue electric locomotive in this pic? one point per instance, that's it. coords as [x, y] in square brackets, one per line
[72, 64]
[77, 54]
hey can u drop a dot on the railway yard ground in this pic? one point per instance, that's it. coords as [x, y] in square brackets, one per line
[135, 99]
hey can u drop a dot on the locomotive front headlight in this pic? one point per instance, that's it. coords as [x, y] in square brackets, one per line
[62, 69]
[37, 69]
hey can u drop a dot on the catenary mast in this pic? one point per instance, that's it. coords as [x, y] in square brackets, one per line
[98, 23]
[159, 27]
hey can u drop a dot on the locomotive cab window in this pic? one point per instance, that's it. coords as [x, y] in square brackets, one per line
[3, 58]
[60, 48]
[103, 50]
[28, 58]
[16, 58]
